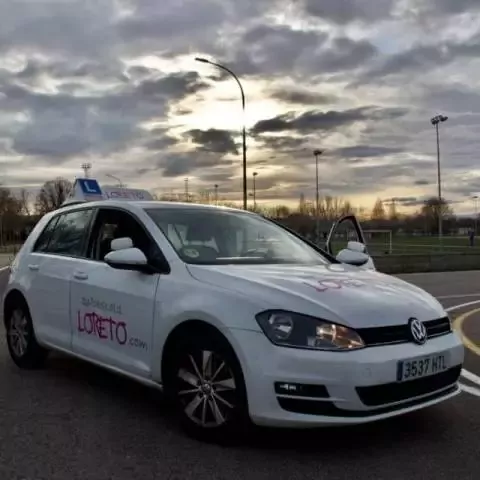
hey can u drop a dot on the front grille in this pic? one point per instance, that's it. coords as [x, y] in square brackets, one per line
[397, 392]
[401, 333]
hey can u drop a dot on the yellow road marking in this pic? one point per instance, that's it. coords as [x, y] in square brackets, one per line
[457, 325]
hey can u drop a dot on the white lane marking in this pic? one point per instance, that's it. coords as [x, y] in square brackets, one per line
[435, 274]
[463, 295]
[471, 376]
[472, 390]
[462, 305]
[465, 373]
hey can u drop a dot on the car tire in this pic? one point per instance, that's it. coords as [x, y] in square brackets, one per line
[205, 385]
[21, 341]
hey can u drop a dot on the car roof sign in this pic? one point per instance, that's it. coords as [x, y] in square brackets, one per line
[120, 193]
[89, 190]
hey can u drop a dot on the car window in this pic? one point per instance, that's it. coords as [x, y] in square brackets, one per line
[42, 241]
[113, 223]
[215, 236]
[70, 232]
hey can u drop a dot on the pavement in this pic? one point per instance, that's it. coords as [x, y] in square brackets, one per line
[72, 420]
[6, 259]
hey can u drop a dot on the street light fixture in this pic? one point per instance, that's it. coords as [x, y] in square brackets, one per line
[86, 167]
[120, 184]
[244, 134]
[317, 153]
[435, 122]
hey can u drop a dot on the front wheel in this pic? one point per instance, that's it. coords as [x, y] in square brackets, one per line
[206, 384]
[21, 341]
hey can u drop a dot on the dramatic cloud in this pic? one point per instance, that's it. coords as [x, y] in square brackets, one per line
[317, 121]
[180, 165]
[363, 151]
[301, 96]
[421, 58]
[213, 140]
[172, 87]
[422, 182]
[346, 11]
[61, 125]
[115, 82]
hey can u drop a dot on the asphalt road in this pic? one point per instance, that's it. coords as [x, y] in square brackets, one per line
[73, 421]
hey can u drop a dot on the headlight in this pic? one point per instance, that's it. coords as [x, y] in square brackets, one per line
[301, 331]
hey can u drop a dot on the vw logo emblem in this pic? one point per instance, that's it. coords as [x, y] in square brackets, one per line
[418, 331]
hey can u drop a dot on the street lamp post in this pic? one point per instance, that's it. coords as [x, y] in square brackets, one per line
[216, 194]
[435, 122]
[244, 134]
[317, 153]
[254, 192]
[475, 205]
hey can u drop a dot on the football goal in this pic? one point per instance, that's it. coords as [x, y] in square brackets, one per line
[379, 241]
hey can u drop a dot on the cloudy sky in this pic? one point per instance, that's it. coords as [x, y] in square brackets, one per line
[115, 83]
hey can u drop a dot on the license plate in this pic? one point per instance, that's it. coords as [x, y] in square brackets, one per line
[421, 367]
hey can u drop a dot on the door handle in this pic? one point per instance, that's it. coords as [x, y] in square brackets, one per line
[80, 275]
[33, 267]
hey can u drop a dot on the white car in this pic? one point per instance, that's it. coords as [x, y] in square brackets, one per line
[177, 295]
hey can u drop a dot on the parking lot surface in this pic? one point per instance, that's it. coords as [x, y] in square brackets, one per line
[75, 421]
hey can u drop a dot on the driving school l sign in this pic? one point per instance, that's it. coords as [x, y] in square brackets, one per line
[86, 189]
[89, 186]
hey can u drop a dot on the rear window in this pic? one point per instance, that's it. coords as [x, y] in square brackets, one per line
[42, 241]
[66, 234]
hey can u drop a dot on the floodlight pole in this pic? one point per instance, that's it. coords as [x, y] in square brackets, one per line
[317, 153]
[435, 121]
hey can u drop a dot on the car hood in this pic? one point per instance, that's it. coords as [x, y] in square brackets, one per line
[346, 294]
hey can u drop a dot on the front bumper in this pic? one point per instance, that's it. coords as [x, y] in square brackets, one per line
[340, 388]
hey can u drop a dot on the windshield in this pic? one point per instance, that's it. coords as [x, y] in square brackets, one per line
[219, 237]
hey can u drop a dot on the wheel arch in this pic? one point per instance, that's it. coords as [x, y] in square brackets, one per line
[192, 327]
[13, 297]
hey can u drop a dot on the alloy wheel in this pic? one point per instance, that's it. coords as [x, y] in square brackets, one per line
[18, 333]
[206, 388]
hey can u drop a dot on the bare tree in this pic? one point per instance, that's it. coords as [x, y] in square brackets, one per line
[430, 211]
[10, 220]
[378, 211]
[52, 194]
[24, 200]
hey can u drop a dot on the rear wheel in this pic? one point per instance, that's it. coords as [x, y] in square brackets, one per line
[206, 385]
[21, 341]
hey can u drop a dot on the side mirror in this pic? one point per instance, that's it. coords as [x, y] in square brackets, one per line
[123, 243]
[353, 257]
[128, 259]
[356, 246]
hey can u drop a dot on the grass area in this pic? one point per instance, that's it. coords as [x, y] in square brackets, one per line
[419, 245]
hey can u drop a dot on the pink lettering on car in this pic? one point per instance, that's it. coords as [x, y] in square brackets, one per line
[105, 328]
[334, 284]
